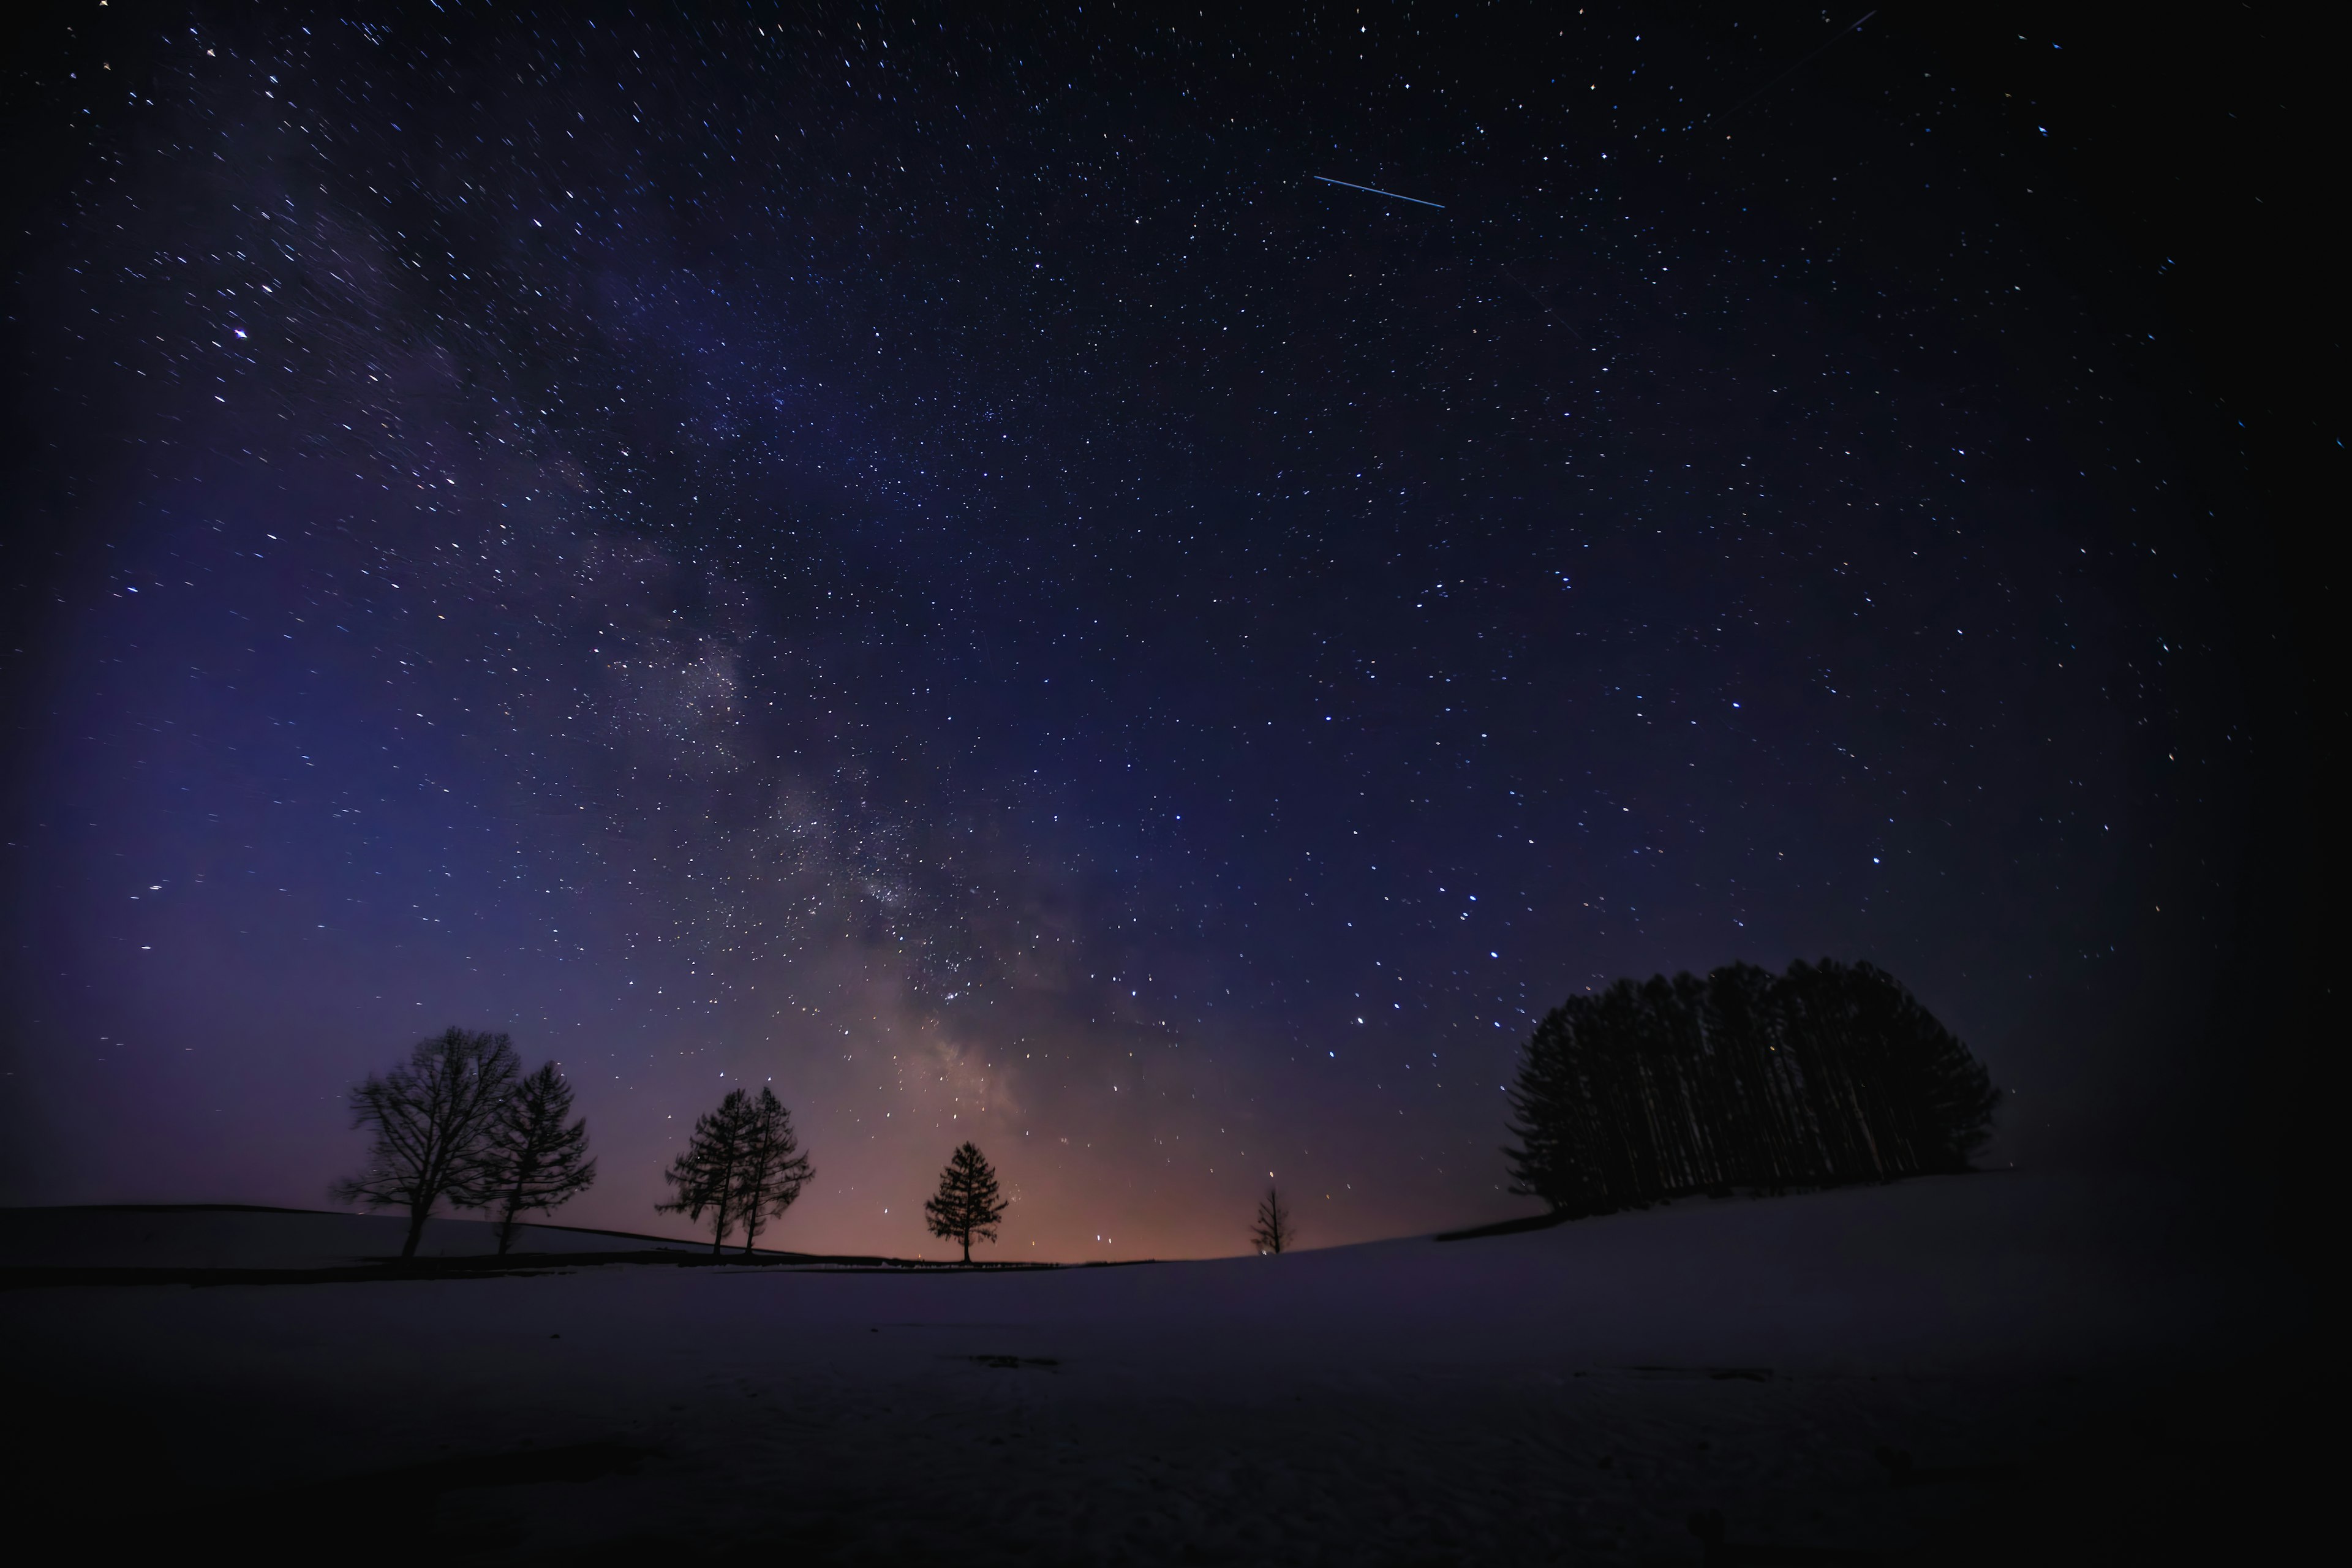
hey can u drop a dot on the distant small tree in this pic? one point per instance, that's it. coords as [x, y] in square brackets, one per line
[532, 1161]
[431, 1118]
[708, 1175]
[1273, 1233]
[966, 1205]
[771, 1170]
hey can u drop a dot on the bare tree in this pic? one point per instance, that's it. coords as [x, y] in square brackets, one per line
[771, 1170]
[431, 1118]
[1273, 1233]
[531, 1161]
[706, 1176]
[966, 1205]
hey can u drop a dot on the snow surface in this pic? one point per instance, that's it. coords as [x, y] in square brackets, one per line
[1573, 1392]
[164, 1236]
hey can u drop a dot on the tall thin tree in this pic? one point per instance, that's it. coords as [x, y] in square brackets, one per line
[967, 1204]
[430, 1118]
[771, 1170]
[1273, 1233]
[532, 1161]
[1554, 1157]
[708, 1174]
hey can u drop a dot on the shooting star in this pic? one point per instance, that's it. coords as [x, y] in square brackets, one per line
[1375, 190]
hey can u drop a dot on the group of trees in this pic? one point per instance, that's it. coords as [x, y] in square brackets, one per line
[1830, 1073]
[1827, 1074]
[460, 1123]
[743, 1166]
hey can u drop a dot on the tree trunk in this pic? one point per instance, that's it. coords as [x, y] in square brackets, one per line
[416, 1214]
[967, 1247]
[526, 1169]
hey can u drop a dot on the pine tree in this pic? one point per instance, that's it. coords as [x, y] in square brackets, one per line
[1272, 1233]
[966, 1205]
[431, 1118]
[709, 1175]
[1547, 1103]
[532, 1161]
[1945, 1096]
[771, 1170]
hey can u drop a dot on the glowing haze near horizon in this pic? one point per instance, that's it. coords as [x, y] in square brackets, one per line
[934, 566]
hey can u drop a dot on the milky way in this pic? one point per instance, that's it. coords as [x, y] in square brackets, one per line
[935, 565]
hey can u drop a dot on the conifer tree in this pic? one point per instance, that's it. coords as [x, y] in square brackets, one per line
[531, 1161]
[431, 1118]
[1548, 1103]
[708, 1176]
[1272, 1233]
[967, 1204]
[771, 1168]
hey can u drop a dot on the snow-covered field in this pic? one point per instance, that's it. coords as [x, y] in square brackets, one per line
[1578, 1393]
[163, 1237]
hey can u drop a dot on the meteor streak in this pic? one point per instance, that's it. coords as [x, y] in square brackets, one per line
[1378, 191]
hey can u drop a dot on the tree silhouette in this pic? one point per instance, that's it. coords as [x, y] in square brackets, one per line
[1548, 1105]
[966, 1205]
[1829, 1073]
[770, 1169]
[431, 1118]
[707, 1175]
[532, 1161]
[1273, 1233]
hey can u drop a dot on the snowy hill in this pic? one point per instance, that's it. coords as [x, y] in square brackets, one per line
[227, 1236]
[1582, 1390]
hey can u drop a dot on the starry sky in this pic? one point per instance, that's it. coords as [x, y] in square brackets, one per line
[924, 558]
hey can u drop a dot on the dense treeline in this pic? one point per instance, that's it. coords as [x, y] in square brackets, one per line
[1830, 1073]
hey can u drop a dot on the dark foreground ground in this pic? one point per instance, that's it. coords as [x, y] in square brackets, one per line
[1922, 1373]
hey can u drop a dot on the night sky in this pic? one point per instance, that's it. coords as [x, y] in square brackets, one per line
[930, 562]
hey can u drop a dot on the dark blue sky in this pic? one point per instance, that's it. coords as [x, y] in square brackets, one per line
[931, 563]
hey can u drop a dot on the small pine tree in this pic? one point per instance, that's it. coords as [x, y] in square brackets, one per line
[531, 1161]
[1273, 1233]
[771, 1170]
[966, 1205]
[708, 1176]
[431, 1118]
